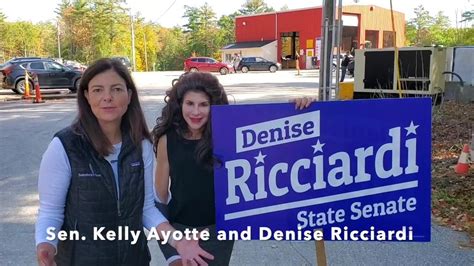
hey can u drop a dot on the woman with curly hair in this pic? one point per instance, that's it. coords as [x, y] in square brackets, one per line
[183, 144]
[182, 141]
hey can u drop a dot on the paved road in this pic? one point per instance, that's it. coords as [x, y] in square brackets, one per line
[26, 129]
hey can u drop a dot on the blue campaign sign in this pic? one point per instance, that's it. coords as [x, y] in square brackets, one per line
[357, 170]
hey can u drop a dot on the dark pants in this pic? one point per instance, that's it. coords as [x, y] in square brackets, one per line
[343, 74]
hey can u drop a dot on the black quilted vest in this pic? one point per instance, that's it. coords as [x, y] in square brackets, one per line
[92, 202]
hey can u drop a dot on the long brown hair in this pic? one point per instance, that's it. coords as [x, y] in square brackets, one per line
[172, 115]
[133, 121]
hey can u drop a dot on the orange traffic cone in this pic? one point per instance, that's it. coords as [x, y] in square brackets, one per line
[26, 93]
[462, 168]
[37, 91]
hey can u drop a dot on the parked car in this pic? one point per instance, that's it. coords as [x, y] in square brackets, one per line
[74, 65]
[51, 75]
[18, 59]
[207, 64]
[253, 63]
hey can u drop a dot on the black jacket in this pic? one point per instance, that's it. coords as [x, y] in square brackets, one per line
[345, 61]
[92, 202]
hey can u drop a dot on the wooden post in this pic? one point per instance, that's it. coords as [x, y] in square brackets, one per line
[320, 252]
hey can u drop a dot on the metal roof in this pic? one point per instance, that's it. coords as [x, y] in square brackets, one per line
[243, 45]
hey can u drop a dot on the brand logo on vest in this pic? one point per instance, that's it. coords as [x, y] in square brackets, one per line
[135, 164]
[89, 175]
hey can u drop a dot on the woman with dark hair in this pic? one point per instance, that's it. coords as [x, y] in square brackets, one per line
[183, 145]
[182, 140]
[96, 180]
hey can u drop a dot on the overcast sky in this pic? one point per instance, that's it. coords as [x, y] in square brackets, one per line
[169, 12]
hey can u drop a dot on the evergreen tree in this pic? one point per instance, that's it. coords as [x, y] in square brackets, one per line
[251, 7]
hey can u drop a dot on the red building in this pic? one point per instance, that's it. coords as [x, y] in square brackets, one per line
[280, 36]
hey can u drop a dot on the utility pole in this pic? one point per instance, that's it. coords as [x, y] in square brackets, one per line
[146, 56]
[327, 45]
[133, 43]
[338, 45]
[59, 41]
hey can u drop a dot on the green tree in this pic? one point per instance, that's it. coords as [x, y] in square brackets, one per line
[47, 35]
[146, 45]
[251, 7]
[459, 37]
[467, 16]
[201, 30]
[418, 27]
[92, 28]
[76, 30]
[424, 30]
[107, 16]
[2, 16]
[464, 37]
[2, 33]
[170, 49]
[26, 39]
[226, 34]
[438, 29]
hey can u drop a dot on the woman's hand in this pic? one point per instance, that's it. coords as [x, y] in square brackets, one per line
[45, 254]
[191, 253]
[301, 103]
[189, 250]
